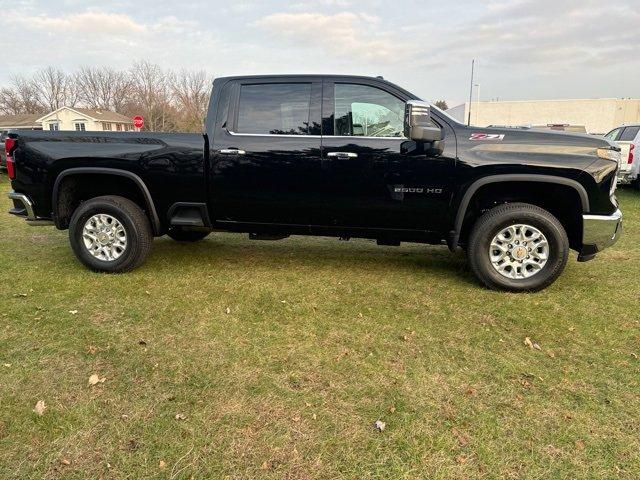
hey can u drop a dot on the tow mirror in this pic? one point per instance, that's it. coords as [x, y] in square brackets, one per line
[418, 124]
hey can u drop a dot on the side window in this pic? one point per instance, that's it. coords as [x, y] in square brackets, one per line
[613, 134]
[274, 109]
[629, 134]
[361, 110]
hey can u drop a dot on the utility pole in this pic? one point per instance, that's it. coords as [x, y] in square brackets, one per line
[473, 61]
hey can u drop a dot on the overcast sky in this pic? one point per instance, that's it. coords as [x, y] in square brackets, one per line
[526, 49]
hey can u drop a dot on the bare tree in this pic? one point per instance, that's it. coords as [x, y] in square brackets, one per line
[190, 92]
[55, 89]
[20, 97]
[103, 88]
[151, 97]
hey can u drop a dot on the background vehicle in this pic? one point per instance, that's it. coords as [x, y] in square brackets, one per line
[329, 155]
[3, 154]
[627, 137]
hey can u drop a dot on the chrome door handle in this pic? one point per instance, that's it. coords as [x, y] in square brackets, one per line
[232, 151]
[342, 155]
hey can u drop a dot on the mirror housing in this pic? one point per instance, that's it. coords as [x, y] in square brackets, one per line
[417, 122]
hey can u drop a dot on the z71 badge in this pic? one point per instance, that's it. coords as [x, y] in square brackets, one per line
[486, 136]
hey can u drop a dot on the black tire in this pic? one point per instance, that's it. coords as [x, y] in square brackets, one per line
[180, 235]
[501, 217]
[137, 228]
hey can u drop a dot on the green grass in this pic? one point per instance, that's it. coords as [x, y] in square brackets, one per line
[323, 338]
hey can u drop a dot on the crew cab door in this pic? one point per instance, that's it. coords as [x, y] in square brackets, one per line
[374, 177]
[265, 156]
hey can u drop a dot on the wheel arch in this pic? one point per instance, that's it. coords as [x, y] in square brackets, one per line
[111, 172]
[513, 178]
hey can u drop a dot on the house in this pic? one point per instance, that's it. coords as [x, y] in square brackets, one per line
[86, 119]
[596, 116]
[22, 122]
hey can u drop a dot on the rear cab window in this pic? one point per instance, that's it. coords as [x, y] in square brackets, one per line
[629, 134]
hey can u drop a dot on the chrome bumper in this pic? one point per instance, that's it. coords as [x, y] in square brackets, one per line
[26, 211]
[601, 231]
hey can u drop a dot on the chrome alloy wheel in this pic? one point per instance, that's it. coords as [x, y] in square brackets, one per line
[104, 237]
[519, 251]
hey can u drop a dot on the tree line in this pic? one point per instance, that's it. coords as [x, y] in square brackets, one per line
[168, 100]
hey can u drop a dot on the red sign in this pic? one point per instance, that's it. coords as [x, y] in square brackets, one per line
[138, 121]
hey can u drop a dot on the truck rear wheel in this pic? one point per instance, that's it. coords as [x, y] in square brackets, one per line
[110, 234]
[517, 247]
[180, 235]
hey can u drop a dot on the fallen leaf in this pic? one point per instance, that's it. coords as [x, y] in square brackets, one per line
[380, 425]
[65, 461]
[463, 440]
[461, 459]
[73, 312]
[528, 342]
[40, 407]
[162, 464]
[536, 346]
[227, 311]
[392, 409]
[471, 392]
[95, 379]
[180, 416]
[580, 444]
[92, 349]
[264, 466]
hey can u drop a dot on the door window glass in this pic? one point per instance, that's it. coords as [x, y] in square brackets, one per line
[629, 134]
[274, 109]
[613, 134]
[361, 110]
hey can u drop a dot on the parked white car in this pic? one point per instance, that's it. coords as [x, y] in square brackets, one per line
[627, 137]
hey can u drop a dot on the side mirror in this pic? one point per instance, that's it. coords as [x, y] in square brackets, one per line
[418, 124]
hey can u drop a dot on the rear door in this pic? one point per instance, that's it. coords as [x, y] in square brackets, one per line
[266, 152]
[374, 177]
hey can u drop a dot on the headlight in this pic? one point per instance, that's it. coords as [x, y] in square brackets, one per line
[609, 154]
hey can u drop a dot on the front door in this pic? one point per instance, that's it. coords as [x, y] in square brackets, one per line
[266, 154]
[374, 177]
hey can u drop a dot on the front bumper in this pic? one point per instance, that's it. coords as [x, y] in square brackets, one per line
[23, 207]
[599, 232]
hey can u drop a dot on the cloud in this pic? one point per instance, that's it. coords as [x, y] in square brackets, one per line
[346, 34]
[85, 22]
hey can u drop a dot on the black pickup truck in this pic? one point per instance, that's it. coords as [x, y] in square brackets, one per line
[342, 156]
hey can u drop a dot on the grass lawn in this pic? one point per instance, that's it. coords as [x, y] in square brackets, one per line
[233, 358]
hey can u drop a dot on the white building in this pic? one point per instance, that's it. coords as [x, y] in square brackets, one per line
[86, 119]
[598, 116]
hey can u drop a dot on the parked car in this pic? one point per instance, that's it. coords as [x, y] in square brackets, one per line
[627, 137]
[3, 154]
[341, 156]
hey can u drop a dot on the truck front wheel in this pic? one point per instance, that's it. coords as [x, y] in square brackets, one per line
[517, 247]
[110, 234]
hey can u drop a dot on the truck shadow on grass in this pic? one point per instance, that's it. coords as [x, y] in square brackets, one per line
[303, 254]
